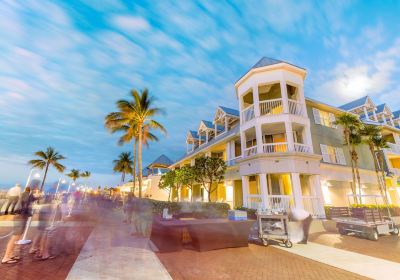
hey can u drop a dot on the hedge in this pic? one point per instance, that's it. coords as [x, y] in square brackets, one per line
[251, 213]
[199, 209]
[394, 209]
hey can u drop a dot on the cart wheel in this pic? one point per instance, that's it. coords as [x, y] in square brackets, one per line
[288, 244]
[373, 235]
[395, 231]
[265, 242]
[342, 231]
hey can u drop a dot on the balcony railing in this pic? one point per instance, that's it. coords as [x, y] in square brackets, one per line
[280, 147]
[295, 107]
[254, 201]
[248, 113]
[279, 202]
[233, 161]
[311, 205]
[393, 148]
[271, 107]
[250, 151]
[302, 148]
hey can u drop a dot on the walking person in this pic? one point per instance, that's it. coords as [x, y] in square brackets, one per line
[13, 195]
[305, 218]
[20, 223]
[145, 217]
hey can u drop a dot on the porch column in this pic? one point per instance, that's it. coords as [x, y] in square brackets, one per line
[245, 189]
[243, 142]
[302, 100]
[374, 113]
[384, 119]
[316, 190]
[190, 194]
[285, 99]
[264, 191]
[308, 137]
[366, 112]
[226, 124]
[207, 136]
[256, 100]
[205, 195]
[289, 136]
[192, 162]
[228, 151]
[296, 190]
[259, 138]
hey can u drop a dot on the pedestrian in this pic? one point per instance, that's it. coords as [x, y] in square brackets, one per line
[20, 224]
[145, 216]
[12, 199]
[305, 218]
[128, 208]
[44, 218]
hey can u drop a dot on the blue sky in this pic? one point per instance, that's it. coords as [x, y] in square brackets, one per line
[65, 63]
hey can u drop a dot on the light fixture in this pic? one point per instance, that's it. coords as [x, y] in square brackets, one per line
[37, 175]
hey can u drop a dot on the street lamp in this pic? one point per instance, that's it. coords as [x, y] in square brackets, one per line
[69, 186]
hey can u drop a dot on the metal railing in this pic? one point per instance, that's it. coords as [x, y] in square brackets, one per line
[254, 201]
[248, 113]
[250, 151]
[302, 148]
[279, 147]
[295, 107]
[271, 107]
[279, 202]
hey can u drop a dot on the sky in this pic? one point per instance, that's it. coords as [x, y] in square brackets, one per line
[64, 64]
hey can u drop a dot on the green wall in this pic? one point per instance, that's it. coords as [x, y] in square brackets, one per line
[334, 137]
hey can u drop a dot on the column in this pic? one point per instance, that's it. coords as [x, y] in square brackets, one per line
[228, 151]
[264, 191]
[256, 101]
[245, 190]
[302, 100]
[384, 119]
[366, 113]
[259, 138]
[192, 162]
[374, 113]
[215, 129]
[316, 190]
[226, 124]
[391, 121]
[296, 190]
[289, 136]
[285, 99]
[190, 194]
[207, 136]
[308, 138]
[243, 142]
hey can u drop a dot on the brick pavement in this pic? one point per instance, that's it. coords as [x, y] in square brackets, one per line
[32, 269]
[253, 262]
[387, 247]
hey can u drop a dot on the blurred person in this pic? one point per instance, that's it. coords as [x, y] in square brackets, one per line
[305, 219]
[44, 218]
[50, 231]
[20, 224]
[145, 216]
[13, 195]
[128, 208]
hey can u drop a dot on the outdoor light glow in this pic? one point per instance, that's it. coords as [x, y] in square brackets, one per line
[37, 175]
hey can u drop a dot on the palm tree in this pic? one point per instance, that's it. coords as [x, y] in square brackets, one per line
[370, 134]
[74, 174]
[135, 119]
[123, 164]
[349, 123]
[47, 158]
[86, 175]
[380, 143]
[355, 140]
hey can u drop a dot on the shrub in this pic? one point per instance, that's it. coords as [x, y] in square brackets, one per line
[198, 209]
[251, 213]
[394, 209]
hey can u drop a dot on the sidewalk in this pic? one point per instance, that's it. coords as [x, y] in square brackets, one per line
[111, 253]
[349, 261]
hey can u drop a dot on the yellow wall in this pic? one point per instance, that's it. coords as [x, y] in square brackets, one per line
[395, 162]
[238, 193]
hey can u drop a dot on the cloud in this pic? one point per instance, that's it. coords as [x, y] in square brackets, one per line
[130, 24]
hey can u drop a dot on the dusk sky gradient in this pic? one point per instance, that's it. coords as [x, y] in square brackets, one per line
[65, 63]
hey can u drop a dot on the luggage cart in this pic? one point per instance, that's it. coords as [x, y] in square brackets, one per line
[273, 227]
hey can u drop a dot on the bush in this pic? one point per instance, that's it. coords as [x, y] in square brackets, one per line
[196, 209]
[394, 209]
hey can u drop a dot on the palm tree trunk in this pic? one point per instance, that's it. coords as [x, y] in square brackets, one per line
[134, 163]
[372, 150]
[44, 177]
[123, 177]
[383, 177]
[353, 185]
[355, 159]
[140, 160]
[209, 193]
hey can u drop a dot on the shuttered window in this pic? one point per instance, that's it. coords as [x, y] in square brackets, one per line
[332, 154]
[324, 118]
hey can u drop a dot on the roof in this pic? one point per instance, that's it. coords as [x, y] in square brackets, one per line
[229, 111]
[208, 124]
[194, 134]
[161, 160]
[396, 114]
[380, 108]
[267, 61]
[355, 103]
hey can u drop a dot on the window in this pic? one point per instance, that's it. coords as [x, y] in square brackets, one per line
[324, 118]
[332, 154]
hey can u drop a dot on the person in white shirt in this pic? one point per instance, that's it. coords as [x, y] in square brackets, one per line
[13, 195]
[305, 218]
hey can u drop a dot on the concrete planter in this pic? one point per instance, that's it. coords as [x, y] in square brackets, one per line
[329, 225]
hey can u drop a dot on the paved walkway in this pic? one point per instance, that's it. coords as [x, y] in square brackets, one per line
[111, 253]
[364, 265]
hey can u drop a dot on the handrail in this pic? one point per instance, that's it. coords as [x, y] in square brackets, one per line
[271, 107]
[250, 151]
[248, 113]
[278, 147]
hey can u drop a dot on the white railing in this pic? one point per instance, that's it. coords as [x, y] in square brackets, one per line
[250, 151]
[248, 113]
[271, 107]
[394, 148]
[295, 107]
[311, 205]
[232, 161]
[280, 147]
[302, 148]
[279, 202]
[254, 201]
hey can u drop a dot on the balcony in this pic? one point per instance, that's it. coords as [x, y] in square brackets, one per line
[233, 161]
[295, 107]
[271, 107]
[250, 151]
[274, 202]
[282, 147]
